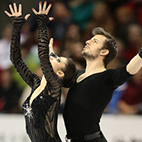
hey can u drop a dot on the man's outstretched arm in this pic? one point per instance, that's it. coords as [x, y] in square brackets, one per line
[135, 63]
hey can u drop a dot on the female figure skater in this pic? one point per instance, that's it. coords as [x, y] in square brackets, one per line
[41, 107]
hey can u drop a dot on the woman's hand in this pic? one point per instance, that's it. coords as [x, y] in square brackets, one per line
[43, 10]
[51, 46]
[15, 12]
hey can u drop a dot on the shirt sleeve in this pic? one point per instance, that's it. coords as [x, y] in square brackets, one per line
[15, 54]
[52, 79]
[119, 76]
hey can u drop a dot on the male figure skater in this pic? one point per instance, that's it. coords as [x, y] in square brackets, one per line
[93, 88]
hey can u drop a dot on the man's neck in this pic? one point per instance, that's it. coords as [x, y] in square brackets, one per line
[94, 66]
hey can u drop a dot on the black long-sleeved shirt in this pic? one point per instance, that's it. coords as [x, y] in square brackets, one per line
[41, 115]
[87, 100]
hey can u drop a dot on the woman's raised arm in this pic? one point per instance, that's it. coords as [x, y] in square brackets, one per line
[15, 52]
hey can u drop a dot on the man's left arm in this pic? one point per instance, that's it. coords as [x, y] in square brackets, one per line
[135, 63]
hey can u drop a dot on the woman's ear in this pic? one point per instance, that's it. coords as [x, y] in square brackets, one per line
[60, 74]
[104, 52]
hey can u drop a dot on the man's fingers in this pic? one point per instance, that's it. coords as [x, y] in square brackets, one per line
[7, 13]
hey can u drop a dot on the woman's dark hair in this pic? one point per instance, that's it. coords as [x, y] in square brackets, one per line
[69, 74]
[109, 44]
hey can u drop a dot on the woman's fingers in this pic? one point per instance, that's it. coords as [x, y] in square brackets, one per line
[15, 7]
[51, 43]
[11, 9]
[14, 11]
[40, 6]
[44, 6]
[48, 8]
[43, 10]
[35, 12]
[51, 18]
[20, 8]
[7, 13]
[27, 16]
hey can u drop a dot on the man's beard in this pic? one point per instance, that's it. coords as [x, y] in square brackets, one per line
[89, 56]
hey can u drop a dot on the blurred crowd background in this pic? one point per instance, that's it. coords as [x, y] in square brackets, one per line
[71, 28]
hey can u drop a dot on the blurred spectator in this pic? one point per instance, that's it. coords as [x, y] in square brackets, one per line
[5, 47]
[101, 17]
[62, 18]
[138, 10]
[72, 45]
[9, 93]
[0, 76]
[113, 4]
[81, 11]
[131, 100]
[123, 16]
[72, 35]
[136, 7]
[134, 33]
[119, 60]
[75, 54]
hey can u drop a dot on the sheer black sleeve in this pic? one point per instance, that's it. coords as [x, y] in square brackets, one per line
[15, 54]
[43, 52]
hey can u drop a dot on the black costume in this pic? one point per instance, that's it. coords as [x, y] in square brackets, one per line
[41, 115]
[87, 100]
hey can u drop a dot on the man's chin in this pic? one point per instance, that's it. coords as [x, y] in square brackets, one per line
[83, 53]
[87, 56]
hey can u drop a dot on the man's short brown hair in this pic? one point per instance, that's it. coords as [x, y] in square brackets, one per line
[109, 44]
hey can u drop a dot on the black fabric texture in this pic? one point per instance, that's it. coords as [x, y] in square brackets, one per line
[140, 53]
[41, 115]
[87, 100]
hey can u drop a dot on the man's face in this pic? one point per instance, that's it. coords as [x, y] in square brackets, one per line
[93, 47]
